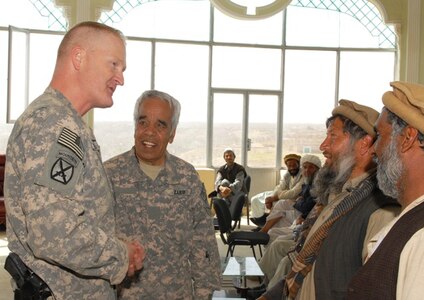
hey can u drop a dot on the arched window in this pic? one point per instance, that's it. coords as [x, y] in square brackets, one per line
[263, 87]
[30, 32]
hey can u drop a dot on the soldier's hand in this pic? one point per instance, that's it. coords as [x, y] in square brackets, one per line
[136, 256]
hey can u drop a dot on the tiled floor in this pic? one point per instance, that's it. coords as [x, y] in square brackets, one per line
[6, 291]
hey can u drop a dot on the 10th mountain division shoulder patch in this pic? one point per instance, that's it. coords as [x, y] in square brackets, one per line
[63, 168]
[62, 171]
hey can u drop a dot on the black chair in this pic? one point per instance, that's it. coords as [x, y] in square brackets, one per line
[234, 238]
[236, 210]
[247, 182]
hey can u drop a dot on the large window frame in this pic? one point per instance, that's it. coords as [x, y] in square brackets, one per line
[210, 89]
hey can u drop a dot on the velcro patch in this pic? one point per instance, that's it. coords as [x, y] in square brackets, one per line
[62, 171]
[72, 141]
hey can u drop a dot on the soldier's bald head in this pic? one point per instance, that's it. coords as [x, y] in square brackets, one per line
[86, 35]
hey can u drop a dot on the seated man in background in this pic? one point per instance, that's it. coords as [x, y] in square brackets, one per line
[287, 212]
[229, 177]
[282, 191]
[161, 202]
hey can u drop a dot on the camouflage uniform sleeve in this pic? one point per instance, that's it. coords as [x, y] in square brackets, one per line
[63, 226]
[204, 258]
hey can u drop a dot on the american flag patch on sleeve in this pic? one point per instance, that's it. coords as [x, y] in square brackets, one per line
[72, 141]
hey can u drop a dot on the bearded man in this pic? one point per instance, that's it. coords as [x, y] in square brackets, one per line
[331, 249]
[287, 212]
[289, 188]
[394, 265]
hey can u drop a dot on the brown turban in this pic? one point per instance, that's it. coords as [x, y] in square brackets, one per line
[291, 156]
[361, 115]
[407, 102]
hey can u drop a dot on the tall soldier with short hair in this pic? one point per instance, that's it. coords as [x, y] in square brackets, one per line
[59, 204]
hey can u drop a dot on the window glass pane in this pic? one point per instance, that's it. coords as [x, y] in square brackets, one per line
[114, 127]
[308, 99]
[42, 58]
[365, 76]
[321, 27]
[4, 43]
[177, 19]
[18, 62]
[263, 112]
[24, 14]
[227, 126]
[182, 71]
[5, 129]
[238, 67]
[232, 30]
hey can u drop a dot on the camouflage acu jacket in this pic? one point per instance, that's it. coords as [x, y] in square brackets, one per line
[59, 202]
[171, 218]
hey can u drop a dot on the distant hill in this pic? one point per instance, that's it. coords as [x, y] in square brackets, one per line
[190, 140]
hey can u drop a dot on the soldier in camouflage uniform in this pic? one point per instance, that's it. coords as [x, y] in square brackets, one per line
[161, 202]
[59, 202]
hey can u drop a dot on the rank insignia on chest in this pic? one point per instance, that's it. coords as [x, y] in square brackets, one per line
[179, 192]
[62, 171]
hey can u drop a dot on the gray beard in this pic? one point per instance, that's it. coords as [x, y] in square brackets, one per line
[330, 179]
[390, 170]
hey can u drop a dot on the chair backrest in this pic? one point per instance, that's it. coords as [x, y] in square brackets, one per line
[223, 215]
[247, 181]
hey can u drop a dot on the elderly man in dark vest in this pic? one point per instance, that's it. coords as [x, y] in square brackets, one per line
[332, 249]
[394, 267]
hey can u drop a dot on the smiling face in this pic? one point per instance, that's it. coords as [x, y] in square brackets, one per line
[153, 131]
[229, 158]
[336, 143]
[292, 166]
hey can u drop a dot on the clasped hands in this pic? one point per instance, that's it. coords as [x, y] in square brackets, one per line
[224, 191]
[136, 255]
